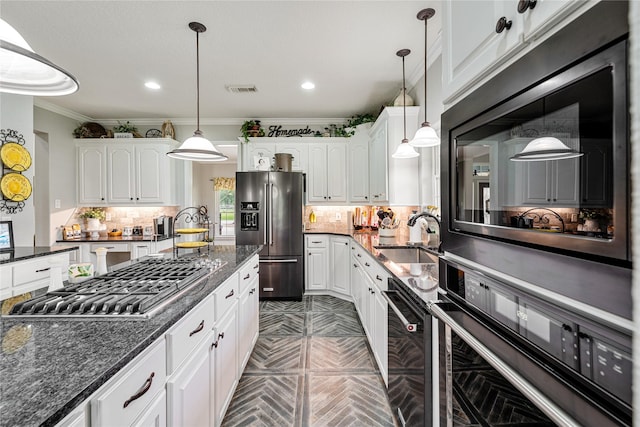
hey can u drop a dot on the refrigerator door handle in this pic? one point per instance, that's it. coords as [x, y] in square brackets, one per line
[271, 214]
[266, 191]
[278, 260]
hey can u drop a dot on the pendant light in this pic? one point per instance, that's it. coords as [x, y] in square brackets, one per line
[24, 72]
[197, 148]
[404, 150]
[426, 136]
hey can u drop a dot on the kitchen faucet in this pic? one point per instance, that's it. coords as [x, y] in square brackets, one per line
[412, 221]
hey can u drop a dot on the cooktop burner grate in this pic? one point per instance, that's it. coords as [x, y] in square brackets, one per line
[137, 291]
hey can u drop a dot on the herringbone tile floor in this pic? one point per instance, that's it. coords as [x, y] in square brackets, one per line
[311, 366]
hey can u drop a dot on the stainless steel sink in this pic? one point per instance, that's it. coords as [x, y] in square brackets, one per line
[404, 255]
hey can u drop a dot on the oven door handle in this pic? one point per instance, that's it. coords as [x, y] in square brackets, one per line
[552, 410]
[410, 327]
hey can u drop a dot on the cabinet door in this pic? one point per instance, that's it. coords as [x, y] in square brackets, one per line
[565, 184]
[138, 250]
[151, 174]
[247, 323]
[298, 150]
[188, 392]
[359, 171]
[92, 175]
[378, 178]
[357, 286]
[545, 15]
[121, 180]
[336, 172]
[537, 183]
[340, 267]
[257, 154]
[471, 46]
[595, 174]
[317, 174]
[317, 262]
[379, 332]
[155, 415]
[225, 362]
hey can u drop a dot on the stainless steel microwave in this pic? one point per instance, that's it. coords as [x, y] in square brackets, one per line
[573, 205]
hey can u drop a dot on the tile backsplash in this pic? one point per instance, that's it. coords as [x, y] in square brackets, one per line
[342, 216]
[118, 217]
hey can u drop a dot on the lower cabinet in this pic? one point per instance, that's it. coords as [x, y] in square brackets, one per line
[340, 277]
[316, 262]
[187, 377]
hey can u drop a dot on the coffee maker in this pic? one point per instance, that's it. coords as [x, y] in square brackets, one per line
[163, 226]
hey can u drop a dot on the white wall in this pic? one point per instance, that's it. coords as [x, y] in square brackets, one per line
[62, 165]
[16, 113]
[203, 187]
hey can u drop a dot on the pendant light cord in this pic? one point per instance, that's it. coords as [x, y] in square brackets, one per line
[404, 104]
[425, 72]
[197, 81]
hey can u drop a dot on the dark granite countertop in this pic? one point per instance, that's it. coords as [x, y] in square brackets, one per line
[21, 253]
[125, 239]
[50, 366]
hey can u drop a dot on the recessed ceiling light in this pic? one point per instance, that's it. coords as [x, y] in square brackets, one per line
[152, 85]
[307, 85]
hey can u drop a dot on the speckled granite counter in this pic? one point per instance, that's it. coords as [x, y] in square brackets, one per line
[49, 366]
[21, 253]
[116, 239]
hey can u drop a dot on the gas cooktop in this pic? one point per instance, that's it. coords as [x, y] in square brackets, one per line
[137, 291]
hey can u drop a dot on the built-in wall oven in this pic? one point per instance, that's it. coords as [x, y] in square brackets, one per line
[536, 272]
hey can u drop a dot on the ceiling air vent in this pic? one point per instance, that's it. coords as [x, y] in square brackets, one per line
[241, 88]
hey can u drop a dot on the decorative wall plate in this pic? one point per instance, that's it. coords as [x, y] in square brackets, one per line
[15, 187]
[15, 156]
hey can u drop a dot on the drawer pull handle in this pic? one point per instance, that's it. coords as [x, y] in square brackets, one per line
[378, 277]
[246, 277]
[145, 388]
[367, 264]
[214, 344]
[43, 269]
[229, 295]
[252, 291]
[221, 335]
[315, 242]
[359, 256]
[198, 329]
[256, 266]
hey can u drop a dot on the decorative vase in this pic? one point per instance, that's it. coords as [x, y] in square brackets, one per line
[591, 225]
[93, 224]
[403, 99]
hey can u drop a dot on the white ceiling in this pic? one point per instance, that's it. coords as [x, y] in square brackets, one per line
[348, 48]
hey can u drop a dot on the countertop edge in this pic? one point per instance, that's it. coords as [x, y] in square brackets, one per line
[46, 251]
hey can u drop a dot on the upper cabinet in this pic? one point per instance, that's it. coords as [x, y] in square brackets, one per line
[393, 181]
[327, 174]
[481, 36]
[124, 172]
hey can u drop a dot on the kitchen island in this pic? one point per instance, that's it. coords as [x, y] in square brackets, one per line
[50, 366]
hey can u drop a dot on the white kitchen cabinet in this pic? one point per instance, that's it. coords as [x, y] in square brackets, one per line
[340, 265]
[327, 174]
[126, 396]
[379, 321]
[188, 391]
[316, 262]
[224, 362]
[256, 149]
[400, 185]
[19, 277]
[472, 48]
[358, 169]
[92, 174]
[155, 415]
[124, 172]
[248, 311]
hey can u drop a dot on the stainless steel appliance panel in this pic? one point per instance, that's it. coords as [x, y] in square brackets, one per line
[251, 202]
[285, 214]
[281, 277]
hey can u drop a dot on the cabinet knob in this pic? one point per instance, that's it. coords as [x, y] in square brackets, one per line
[502, 25]
[523, 5]
[329, 197]
[102, 198]
[131, 198]
[366, 198]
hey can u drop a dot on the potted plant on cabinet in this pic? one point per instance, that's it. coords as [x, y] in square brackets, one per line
[125, 130]
[251, 128]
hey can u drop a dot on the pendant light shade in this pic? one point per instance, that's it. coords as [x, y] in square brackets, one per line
[426, 136]
[404, 150]
[197, 148]
[545, 148]
[24, 72]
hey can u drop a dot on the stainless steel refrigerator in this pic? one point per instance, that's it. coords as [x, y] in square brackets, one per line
[269, 213]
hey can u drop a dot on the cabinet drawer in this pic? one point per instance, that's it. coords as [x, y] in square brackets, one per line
[113, 247]
[6, 276]
[124, 399]
[226, 295]
[376, 272]
[38, 269]
[188, 332]
[317, 241]
[248, 273]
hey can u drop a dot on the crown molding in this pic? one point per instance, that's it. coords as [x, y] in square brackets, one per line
[46, 105]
